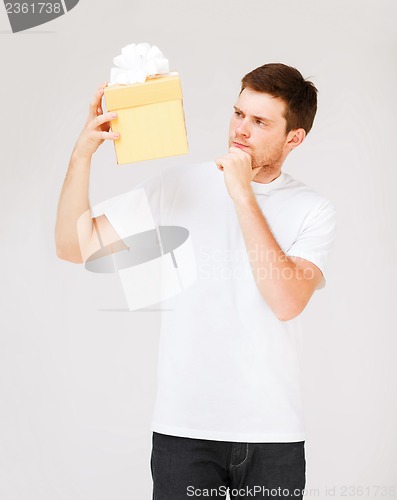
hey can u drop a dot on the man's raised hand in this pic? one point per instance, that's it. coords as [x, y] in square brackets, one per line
[96, 128]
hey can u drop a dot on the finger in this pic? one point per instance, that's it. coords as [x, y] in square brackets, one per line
[221, 160]
[108, 135]
[102, 86]
[254, 172]
[101, 119]
[224, 163]
[96, 100]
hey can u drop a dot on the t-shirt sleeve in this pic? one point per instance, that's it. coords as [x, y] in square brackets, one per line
[133, 211]
[316, 238]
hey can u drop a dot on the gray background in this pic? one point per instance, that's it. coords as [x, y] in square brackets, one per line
[77, 377]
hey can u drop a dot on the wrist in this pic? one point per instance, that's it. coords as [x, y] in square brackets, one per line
[244, 198]
[79, 155]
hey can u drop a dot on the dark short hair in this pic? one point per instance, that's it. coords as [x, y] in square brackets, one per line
[286, 83]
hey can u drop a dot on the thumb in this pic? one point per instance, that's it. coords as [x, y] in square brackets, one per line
[255, 171]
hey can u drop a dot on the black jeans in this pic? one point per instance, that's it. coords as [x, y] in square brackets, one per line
[184, 468]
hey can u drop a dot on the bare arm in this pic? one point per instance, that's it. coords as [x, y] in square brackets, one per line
[285, 283]
[76, 232]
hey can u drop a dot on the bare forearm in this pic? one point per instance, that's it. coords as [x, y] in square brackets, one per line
[74, 236]
[285, 283]
[73, 203]
[280, 281]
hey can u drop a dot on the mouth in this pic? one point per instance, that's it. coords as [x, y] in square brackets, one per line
[241, 146]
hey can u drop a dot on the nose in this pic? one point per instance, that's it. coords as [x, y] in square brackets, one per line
[242, 128]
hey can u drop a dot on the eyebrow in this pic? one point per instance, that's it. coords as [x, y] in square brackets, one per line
[256, 117]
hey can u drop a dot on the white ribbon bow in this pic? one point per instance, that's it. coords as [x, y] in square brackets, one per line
[136, 62]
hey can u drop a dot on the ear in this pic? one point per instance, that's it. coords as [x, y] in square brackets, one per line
[295, 137]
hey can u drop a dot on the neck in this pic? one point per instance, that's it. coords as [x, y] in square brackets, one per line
[267, 174]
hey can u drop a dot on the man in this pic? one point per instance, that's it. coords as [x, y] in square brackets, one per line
[228, 411]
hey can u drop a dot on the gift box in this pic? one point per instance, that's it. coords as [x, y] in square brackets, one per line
[150, 119]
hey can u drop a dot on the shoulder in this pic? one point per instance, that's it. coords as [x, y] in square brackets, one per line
[305, 197]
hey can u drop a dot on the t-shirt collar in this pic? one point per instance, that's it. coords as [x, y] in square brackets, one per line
[260, 188]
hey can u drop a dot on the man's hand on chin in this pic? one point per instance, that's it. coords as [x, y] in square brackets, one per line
[238, 173]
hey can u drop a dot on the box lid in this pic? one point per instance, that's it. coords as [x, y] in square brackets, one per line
[158, 89]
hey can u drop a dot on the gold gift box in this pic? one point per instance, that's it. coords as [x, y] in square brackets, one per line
[150, 119]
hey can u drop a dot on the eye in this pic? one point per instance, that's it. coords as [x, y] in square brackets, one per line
[237, 113]
[259, 122]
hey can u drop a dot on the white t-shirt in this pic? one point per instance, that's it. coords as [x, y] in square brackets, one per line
[228, 369]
